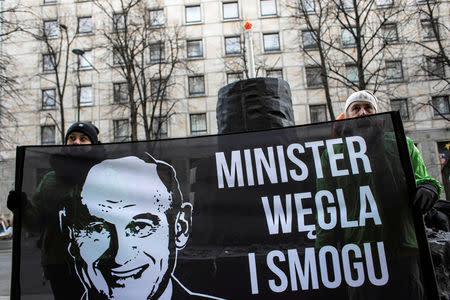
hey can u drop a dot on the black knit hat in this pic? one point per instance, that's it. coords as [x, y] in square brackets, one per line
[88, 129]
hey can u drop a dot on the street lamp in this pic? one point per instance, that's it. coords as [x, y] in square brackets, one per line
[78, 52]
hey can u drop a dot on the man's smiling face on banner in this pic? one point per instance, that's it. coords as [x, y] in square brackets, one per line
[124, 245]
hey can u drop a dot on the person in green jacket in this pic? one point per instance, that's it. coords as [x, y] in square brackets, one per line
[364, 103]
[57, 187]
[387, 183]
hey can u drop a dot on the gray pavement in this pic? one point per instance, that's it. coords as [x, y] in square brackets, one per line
[5, 268]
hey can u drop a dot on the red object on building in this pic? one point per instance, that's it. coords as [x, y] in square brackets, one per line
[247, 25]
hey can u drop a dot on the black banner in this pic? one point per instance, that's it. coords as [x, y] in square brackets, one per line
[313, 211]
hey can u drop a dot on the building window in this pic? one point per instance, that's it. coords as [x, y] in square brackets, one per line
[51, 29]
[193, 14]
[198, 124]
[347, 4]
[48, 63]
[85, 95]
[119, 22]
[313, 78]
[156, 17]
[85, 25]
[427, 29]
[158, 88]
[48, 99]
[440, 105]
[394, 71]
[385, 3]
[274, 73]
[308, 6]
[121, 130]
[268, 7]
[85, 60]
[159, 129]
[48, 135]
[230, 10]
[318, 113]
[435, 67]
[309, 38]
[157, 52]
[233, 77]
[120, 92]
[117, 58]
[352, 73]
[348, 37]
[400, 105]
[232, 45]
[389, 33]
[49, 1]
[197, 85]
[194, 49]
[271, 42]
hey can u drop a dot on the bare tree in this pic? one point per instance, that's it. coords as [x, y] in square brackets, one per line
[363, 41]
[9, 24]
[433, 38]
[146, 53]
[348, 40]
[429, 45]
[56, 39]
[315, 16]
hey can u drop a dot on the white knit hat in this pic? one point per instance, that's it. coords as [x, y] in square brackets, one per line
[364, 96]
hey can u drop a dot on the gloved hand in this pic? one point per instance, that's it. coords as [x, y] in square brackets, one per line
[15, 199]
[426, 196]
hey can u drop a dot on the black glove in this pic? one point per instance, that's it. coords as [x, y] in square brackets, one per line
[426, 196]
[15, 199]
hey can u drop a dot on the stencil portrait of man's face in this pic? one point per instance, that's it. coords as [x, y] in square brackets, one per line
[123, 245]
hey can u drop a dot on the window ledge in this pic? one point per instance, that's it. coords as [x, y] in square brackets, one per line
[310, 48]
[233, 20]
[193, 23]
[391, 43]
[273, 52]
[433, 39]
[157, 62]
[195, 58]
[85, 33]
[389, 81]
[197, 96]
[385, 6]
[269, 16]
[233, 55]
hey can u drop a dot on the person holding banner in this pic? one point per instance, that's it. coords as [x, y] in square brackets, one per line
[61, 185]
[374, 202]
[364, 103]
[126, 229]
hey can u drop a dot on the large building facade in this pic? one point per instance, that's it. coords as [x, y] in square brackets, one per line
[70, 50]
